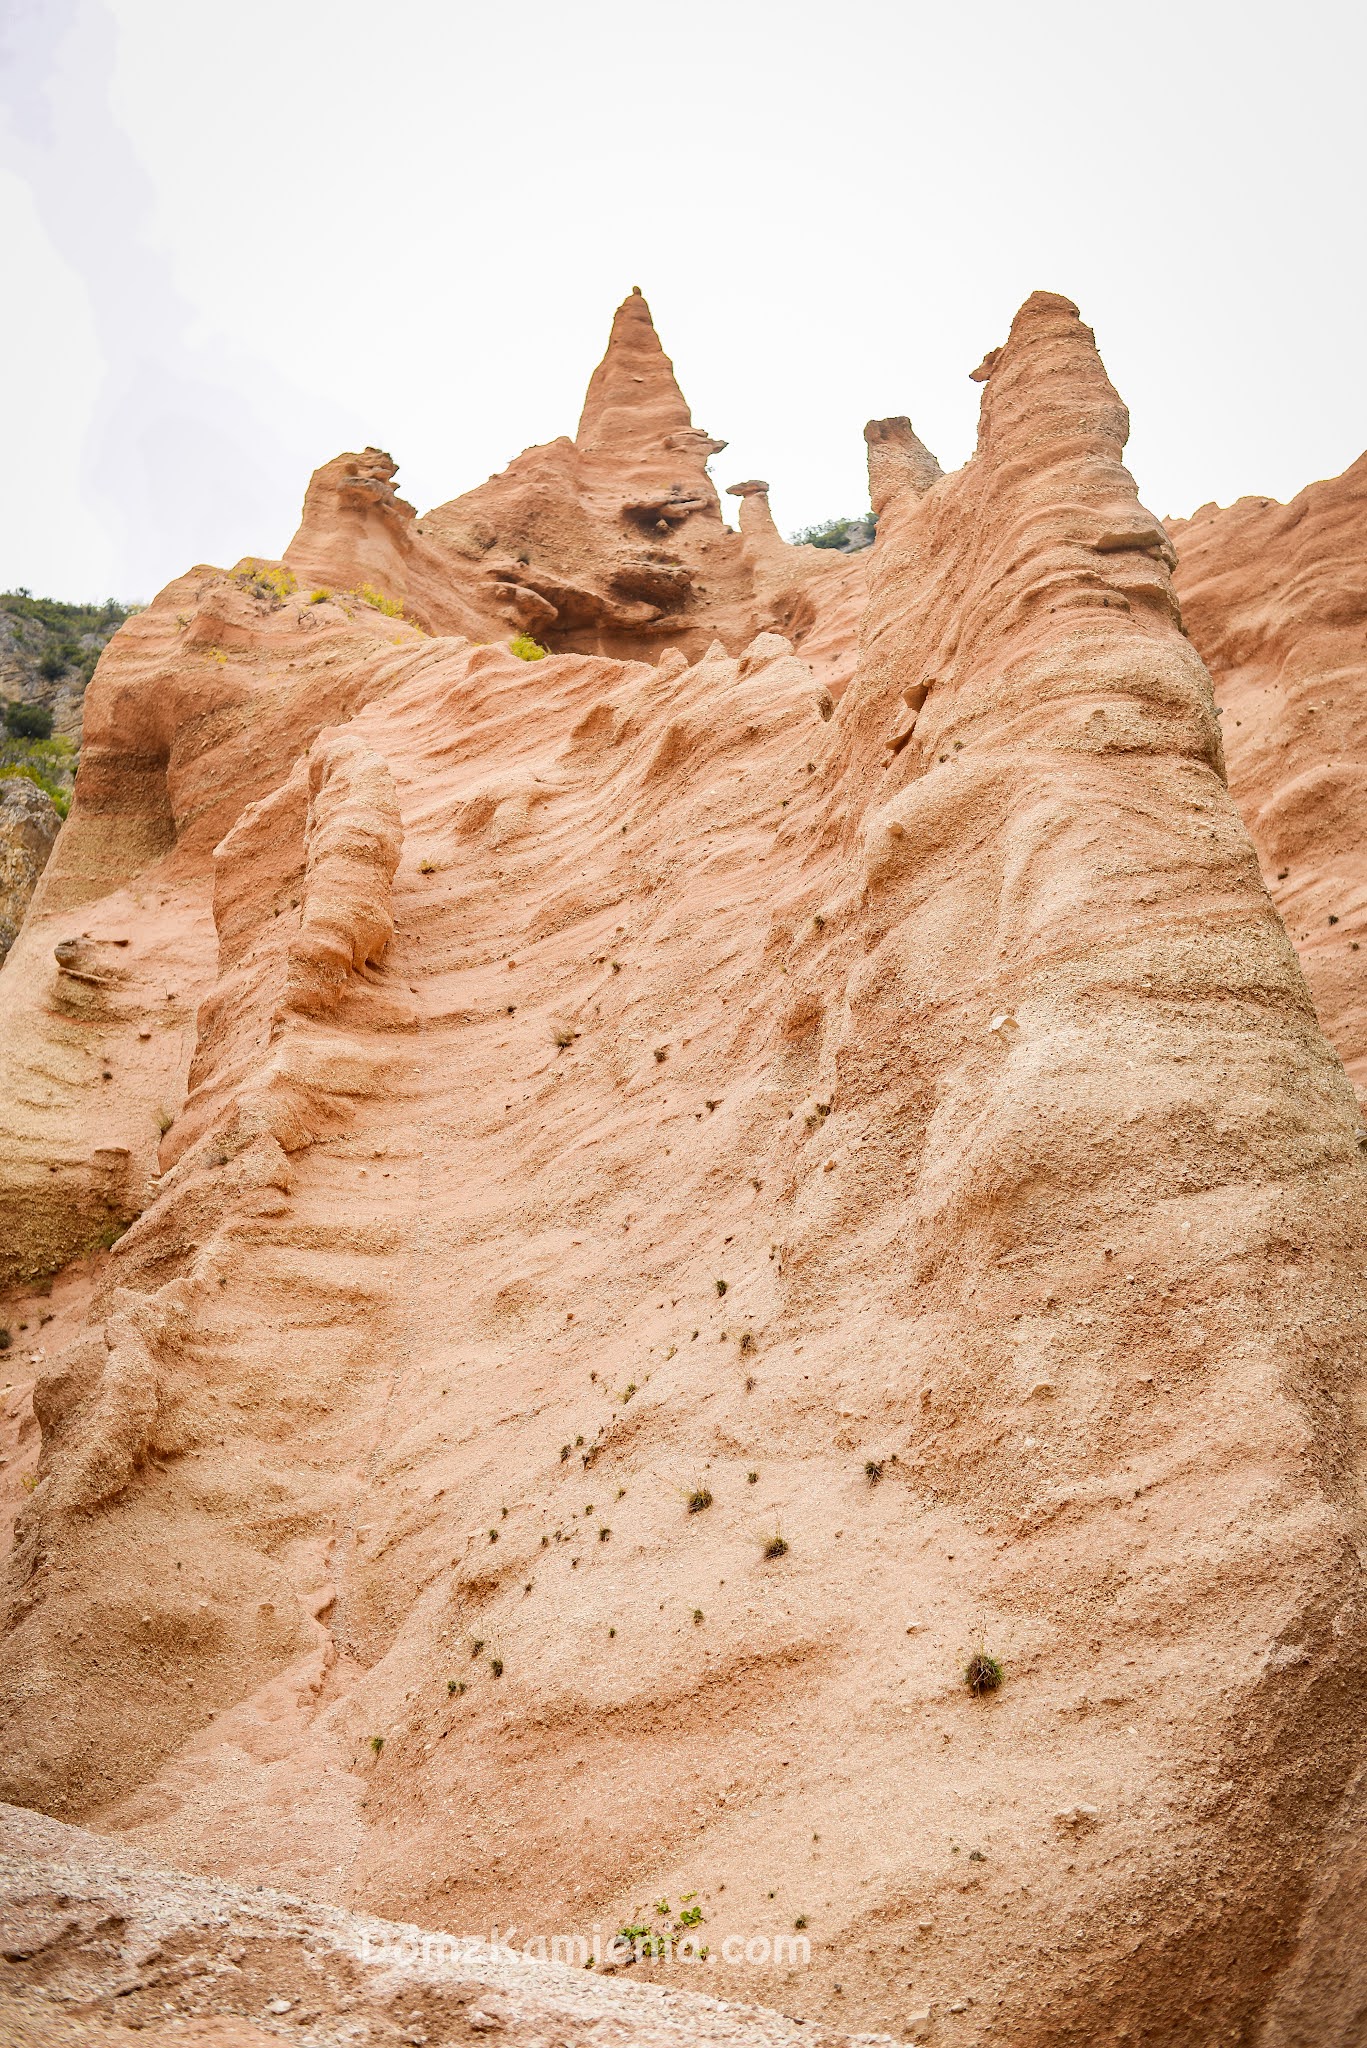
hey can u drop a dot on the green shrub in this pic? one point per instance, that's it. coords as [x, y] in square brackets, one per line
[50, 763]
[982, 1673]
[61, 798]
[368, 594]
[29, 721]
[67, 619]
[527, 649]
[837, 533]
[264, 581]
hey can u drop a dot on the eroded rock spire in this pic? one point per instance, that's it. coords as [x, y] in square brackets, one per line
[633, 399]
[1127, 1216]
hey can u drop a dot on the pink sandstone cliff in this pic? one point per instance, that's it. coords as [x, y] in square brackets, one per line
[1275, 597]
[706, 1178]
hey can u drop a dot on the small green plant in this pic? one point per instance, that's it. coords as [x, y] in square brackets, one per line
[801, 1920]
[564, 1035]
[527, 649]
[982, 1673]
[873, 1470]
[690, 1916]
[476, 1646]
[564, 1453]
[604, 1534]
[722, 1285]
[752, 1479]
[661, 1054]
[454, 1686]
[263, 581]
[368, 594]
[747, 1341]
[697, 1616]
[427, 867]
[700, 1498]
[496, 1666]
[777, 1545]
[321, 597]
[377, 1743]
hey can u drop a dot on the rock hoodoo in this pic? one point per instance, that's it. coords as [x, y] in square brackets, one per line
[586, 1236]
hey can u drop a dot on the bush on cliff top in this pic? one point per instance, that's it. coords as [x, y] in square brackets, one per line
[527, 649]
[264, 579]
[65, 620]
[847, 534]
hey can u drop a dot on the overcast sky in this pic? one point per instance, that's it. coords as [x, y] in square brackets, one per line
[240, 238]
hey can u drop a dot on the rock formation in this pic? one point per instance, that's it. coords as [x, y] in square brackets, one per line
[28, 826]
[702, 1199]
[1275, 597]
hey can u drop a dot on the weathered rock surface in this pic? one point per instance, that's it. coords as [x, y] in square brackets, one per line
[697, 1193]
[1275, 597]
[28, 826]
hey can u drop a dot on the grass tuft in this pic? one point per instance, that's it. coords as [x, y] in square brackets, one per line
[983, 1673]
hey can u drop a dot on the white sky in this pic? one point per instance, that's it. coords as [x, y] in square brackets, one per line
[239, 238]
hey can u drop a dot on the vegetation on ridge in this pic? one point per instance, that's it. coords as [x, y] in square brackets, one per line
[848, 535]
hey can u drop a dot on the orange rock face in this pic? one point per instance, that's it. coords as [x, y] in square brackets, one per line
[1275, 597]
[717, 1186]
